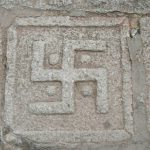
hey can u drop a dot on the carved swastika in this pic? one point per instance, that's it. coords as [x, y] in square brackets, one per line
[68, 75]
[69, 65]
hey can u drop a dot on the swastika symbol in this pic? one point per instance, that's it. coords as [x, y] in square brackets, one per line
[68, 75]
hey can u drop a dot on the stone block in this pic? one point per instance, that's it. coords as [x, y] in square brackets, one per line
[1, 80]
[69, 80]
[145, 34]
[127, 6]
[37, 4]
[101, 6]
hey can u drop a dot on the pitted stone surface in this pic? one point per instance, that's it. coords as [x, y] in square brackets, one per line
[87, 91]
[54, 59]
[38, 4]
[51, 90]
[128, 6]
[67, 116]
[68, 76]
[1, 80]
[85, 58]
[145, 34]
[101, 6]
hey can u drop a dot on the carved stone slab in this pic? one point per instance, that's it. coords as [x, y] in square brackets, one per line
[145, 34]
[69, 79]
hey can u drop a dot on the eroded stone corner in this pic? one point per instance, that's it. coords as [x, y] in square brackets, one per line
[12, 141]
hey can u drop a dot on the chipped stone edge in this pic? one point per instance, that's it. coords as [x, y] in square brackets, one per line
[127, 79]
[70, 21]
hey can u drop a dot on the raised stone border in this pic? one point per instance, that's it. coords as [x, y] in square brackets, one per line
[114, 135]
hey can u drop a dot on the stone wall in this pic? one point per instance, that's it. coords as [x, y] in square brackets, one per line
[74, 74]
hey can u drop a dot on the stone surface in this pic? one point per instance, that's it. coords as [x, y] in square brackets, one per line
[1, 81]
[38, 4]
[87, 90]
[128, 6]
[104, 109]
[33, 109]
[101, 6]
[145, 34]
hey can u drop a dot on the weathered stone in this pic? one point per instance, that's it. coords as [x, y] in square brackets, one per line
[54, 59]
[128, 6]
[51, 90]
[78, 7]
[1, 81]
[12, 139]
[38, 4]
[145, 34]
[139, 88]
[85, 58]
[87, 91]
[105, 115]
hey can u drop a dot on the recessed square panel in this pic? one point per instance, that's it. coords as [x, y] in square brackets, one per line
[69, 79]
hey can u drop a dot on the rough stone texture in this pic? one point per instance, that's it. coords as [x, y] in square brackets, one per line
[38, 4]
[128, 6]
[98, 6]
[68, 76]
[27, 79]
[139, 89]
[145, 34]
[75, 83]
[1, 82]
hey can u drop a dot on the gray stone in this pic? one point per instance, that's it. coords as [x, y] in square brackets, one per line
[127, 6]
[139, 89]
[87, 91]
[145, 34]
[85, 58]
[38, 4]
[79, 7]
[54, 59]
[29, 111]
[12, 139]
[1, 81]
[51, 90]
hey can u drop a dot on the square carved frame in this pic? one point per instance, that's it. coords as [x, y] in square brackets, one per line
[70, 136]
